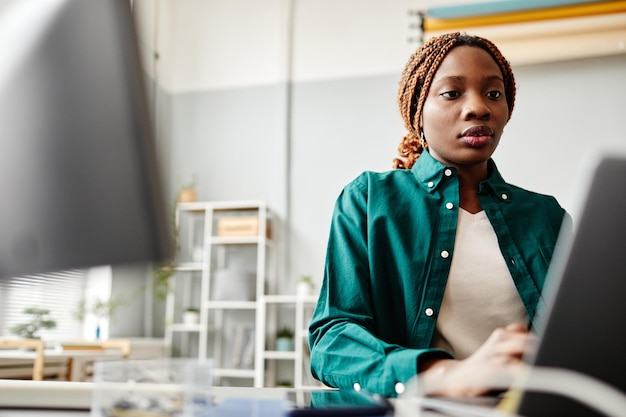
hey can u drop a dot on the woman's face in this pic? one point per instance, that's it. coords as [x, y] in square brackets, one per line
[466, 110]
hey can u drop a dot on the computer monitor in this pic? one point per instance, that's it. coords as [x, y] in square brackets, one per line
[79, 182]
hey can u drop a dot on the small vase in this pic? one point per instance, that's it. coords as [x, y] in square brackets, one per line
[304, 289]
[284, 344]
[187, 195]
[191, 317]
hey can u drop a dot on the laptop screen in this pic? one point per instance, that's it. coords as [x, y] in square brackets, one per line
[583, 328]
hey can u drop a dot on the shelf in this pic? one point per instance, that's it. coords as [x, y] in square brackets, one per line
[274, 354]
[221, 205]
[289, 299]
[233, 373]
[202, 255]
[231, 305]
[180, 327]
[239, 240]
[189, 267]
[312, 387]
[301, 305]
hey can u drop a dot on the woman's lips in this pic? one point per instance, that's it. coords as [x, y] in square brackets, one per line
[477, 136]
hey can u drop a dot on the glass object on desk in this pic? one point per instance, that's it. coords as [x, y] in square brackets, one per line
[155, 387]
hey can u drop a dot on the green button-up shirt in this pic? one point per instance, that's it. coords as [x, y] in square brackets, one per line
[388, 257]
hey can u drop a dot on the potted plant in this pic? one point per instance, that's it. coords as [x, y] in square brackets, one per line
[284, 339]
[162, 272]
[187, 193]
[99, 309]
[191, 315]
[305, 286]
[39, 320]
[161, 284]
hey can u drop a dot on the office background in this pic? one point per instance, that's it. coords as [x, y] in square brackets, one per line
[288, 100]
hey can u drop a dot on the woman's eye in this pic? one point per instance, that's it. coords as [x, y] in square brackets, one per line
[450, 94]
[494, 94]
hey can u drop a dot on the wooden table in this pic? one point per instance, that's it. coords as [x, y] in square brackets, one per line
[73, 357]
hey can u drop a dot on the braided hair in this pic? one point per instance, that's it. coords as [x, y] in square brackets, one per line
[418, 76]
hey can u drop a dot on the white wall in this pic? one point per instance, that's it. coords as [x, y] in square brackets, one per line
[215, 44]
[231, 115]
[565, 113]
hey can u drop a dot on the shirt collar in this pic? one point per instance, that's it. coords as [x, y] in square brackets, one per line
[430, 173]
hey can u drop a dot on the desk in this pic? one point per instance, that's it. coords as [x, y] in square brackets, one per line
[45, 394]
[73, 399]
[56, 397]
[70, 363]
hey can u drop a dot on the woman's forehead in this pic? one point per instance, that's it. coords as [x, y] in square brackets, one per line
[463, 61]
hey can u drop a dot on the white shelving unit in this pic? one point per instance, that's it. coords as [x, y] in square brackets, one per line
[202, 254]
[270, 307]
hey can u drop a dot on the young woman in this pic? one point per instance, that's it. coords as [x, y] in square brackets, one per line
[436, 268]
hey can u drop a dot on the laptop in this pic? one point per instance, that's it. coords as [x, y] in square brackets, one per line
[584, 323]
[582, 326]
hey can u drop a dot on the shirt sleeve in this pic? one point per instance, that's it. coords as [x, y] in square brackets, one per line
[345, 349]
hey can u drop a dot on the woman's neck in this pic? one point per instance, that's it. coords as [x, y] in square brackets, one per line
[469, 180]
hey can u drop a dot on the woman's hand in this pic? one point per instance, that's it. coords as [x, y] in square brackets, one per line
[492, 366]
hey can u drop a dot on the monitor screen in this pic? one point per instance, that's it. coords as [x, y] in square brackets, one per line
[79, 181]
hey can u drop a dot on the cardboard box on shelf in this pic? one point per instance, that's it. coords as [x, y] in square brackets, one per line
[240, 226]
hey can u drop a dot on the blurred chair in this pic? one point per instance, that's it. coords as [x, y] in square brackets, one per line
[71, 360]
[83, 354]
[123, 345]
[17, 370]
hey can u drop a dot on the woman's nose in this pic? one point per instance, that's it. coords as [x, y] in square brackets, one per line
[476, 107]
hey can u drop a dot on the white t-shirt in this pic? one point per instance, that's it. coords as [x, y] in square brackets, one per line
[480, 295]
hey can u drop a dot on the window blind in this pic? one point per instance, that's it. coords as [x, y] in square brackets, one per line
[59, 292]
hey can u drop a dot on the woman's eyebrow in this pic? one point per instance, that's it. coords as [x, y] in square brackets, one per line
[494, 77]
[462, 78]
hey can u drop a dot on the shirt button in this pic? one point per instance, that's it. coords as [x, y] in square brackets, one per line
[447, 172]
[504, 196]
[399, 387]
[449, 206]
[429, 311]
[431, 184]
[512, 261]
[445, 254]
[357, 386]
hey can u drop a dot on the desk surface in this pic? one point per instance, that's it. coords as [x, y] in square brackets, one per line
[74, 358]
[73, 399]
[56, 354]
[77, 395]
[46, 413]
